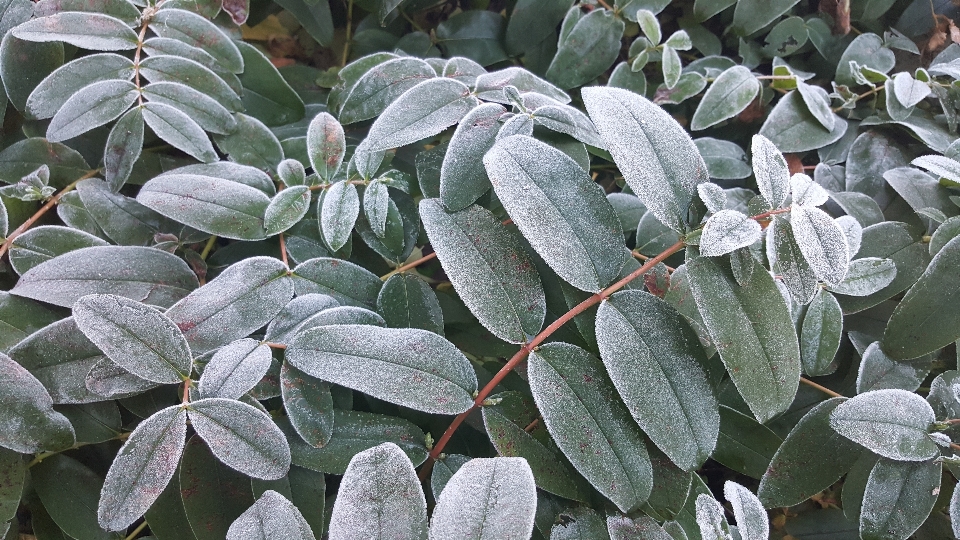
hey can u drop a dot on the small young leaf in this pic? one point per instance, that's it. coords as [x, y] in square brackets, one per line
[752, 523]
[92, 106]
[325, 145]
[822, 243]
[463, 178]
[771, 171]
[713, 525]
[178, 129]
[866, 276]
[86, 30]
[486, 498]
[29, 423]
[286, 209]
[712, 195]
[235, 369]
[892, 423]
[379, 497]
[242, 437]
[272, 516]
[726, 231]
[309, 405]
[291, 172]
[338, 213]
[820, 335]
[908, 90]
[806, 192]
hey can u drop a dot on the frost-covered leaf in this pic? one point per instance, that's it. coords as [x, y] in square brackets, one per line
[732, 92]
[822, 243]
[654, 361]
[379, 497]
[908, 90]
[406, 301]
[137, 337]
[726, 231]
[489, 269]
[28, 423]
[588, 422]
[54, 90]
[712, 195]
[309, 405]
[578, 522]
[559, 209]
[892, 423]
[878, 371]
[376, 207]
[752, 523]
[144, 274]
[235, 369]
[382, 84]
[754, 333]
[271, 517]
[788, 262]
[898, 498]
[325, 145]
[106, 379]
[488, 498]
[284, 326]
[142, 468]
[853, 232]
[92, 106]
[941, 166]
[243, 298]
[43, 243]
[806, 192]
[291, 172]
[425, 110]
[588, 46]
[175, 68]
[286, 209]
[179, 130]
[489, 86]
[201, 108]
[124, 145]
[866, 276]
[241, 436]
[713, 525]
[771, 171]
[820, 334]
[86, 30]
[656, 156]
[197, 31]
[346, 282]
[463, 178]
[390, 364]
[338, 213]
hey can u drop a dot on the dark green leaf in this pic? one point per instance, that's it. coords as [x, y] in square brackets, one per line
[793, 128]
[346, 282]
[315, 17]
[29, 423]
[744, 444]
[266, 95]
[729, 95]
[308, 491]
[530, 23]
[213, 495]
[587, 49]
[86, 30]
[12, 475]
[124, 145]
[46, 242]
[20, 317]
[252, 143]
[889, 240]
[724, 159]
[406, 301]
[820, 334]
[752, 15]
[69, 491]
[309, 405]
[24, 65]
[475, 34]
[579, 523]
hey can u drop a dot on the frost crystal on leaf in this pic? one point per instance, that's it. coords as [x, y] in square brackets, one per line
[806, 192]
[713, 526]
[852, 231]
[712, 196]
[891, 422]
[751, 517]
[726, 231]
[235, 369]
[272, 517]
[822, 243]
[771, 171]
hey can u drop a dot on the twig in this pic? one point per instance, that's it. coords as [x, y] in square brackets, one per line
[823, 389]
[409, 265]
[283, 250]
[346, 43]
[208, 247]
[137, 531]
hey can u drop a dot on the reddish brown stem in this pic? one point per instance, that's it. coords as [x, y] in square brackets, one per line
[823, 389]
[283, 250]
[409, 265]
[280, 346]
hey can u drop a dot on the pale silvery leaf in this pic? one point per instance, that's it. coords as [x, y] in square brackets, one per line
[92, 106]
[142, 468]
[771, 171]
[712, 195]
[135, 336]
[108, 380]
[518, 124]
[291, 172]
[726, 231]
[235, 369]
[787, 261]
[462, 176]
[490, 86]
[822, 243]
[242, 437]
[751, 517]
[908, 90]
[942, 439]
[338, 213]
[285, 325]
[4, 220]
[272, 517]
[806, 192]
[376, 205]
[53, 91]
[86, 30]
[179, 130]
[866, 276]
[890, 422]
[197, 31]
[713, 526]
[286, 209]
[852, 231]
[29, 423]
[379, 497]
[486, 499]
[898, 498]
[325, 145]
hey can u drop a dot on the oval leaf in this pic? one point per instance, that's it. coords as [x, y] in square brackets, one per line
[92, 106]
[197, 31]
[891, 422]
[29, 422]
[732, 92]
[338, 213]
[286, 209]
[309, 405]
[86, 30]
[898, 498]
[726, 231]
[866, 276]
[325, 145]
[822, 243]
[178, 129]
[124, 145]
[820, 334]
[235, 369]
[462, 176]
[272, 516]
[406, 301]
[752, 523]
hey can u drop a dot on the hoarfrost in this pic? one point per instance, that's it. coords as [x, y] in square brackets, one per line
[726, 231]
[284, 326]
[29, 423]
[898, 498]
[106, 379]
[286, 209]
[787, 261]
[342, 315]
[462, 176]
[235, 369]
[380, 86]
[806, 192]
[272, 517]
[489, 499]
[489, 86]
[518, 124]
[338, 213]
[878, 371]
[379, 497]
[712, 196]
[309, 405]
[822, 243]
[852, 231]
[866, 276]
[751, 517]
[942, 439]
[710, 518]
[325, 145]
[347, 283]
[376, 204]
[641, 527]
[890, 422]
[771, 171]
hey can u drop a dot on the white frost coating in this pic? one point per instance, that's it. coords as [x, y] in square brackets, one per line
[771, 171]
[235, 369]
[379, 497]
[291, 172]
[489, 86]
[325, 145]
[272, 517]
[108, 380]
[641, 527]
[942, 439]
[712, 195]
[462, 176]
[566, 119]
[898, 498]
[852, 231]
[822, 243]
[142, 468]
[283, 327]
[877, 371]
[463, 69]
[338, 213]
[518, 124]
[29, 423]
[713, 526]
[376, 204]
[242, 437]
[955, 512]
[422, 111]
[286, 209]
[728, 230]
[487, 499]
[410, 367]
[751, 517]
[806, 192]
[341, 315]
[891, 422]
[137, 337]
[787, 261]
[657, 157]
[867, 276]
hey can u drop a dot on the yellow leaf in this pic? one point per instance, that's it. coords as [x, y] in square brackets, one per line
[269, 28]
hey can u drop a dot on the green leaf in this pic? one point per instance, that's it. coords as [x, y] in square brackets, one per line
[24, 64]
[653, 359]
[822, 243]
[751, 517]
[136, 337]
[315, 17]
[820, 335]
[171, 68]
[744, 445]
[866, 276]
[13, 473]
[338, 213]
[380, 497]
[252, 143]
[62, 483]
[889, 240]
[142, 468]
[23, 157]
[898, 499]
[771, 171]
[892, 423]
[179, 130]
[732, 92]
[235, 369]
[587, 50]
[948, 230]
[43, 243]
[244, 297]
[266, 94]
[754, 334]
[489, 269]
[388, 364]
[20, 317]
[121, 9]
[121, 219]
[291, 318]
[462, 176]
[325, 145]
[376, 207]
[212, 205]
[144, 274]
[726, 231]
[489, 86]
[657, 158]
[92, 106]
[29, 422]
[346, 282]
[86, 30]
[309, 405]
[53, 91]
[725, 160]
[671, 66]
[444, 469]
[591, 426]
[272, 516]
[579, 237]
[422, 111]
[531, 22]
[406, 301]
[212, 495]
[487, 498]
[203, 109]
[93, 422]
[380, 86]
[286, 209]
[241, 436]
[908, 333]
[878, 371]
[752, 15]
[124, 145]
[920, 190]
[292, 173]
[308, 492]
[579, 522]
[197, 31]
[940, 166]
[793, 128]
[866, 50]
[475, 34]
